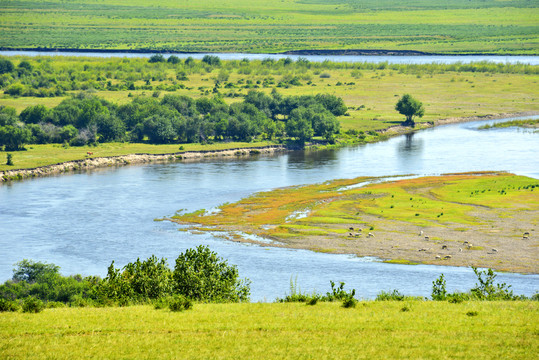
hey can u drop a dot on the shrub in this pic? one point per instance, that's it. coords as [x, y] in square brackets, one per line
[200, 274]
[32, 305]
[485, 289]
[179, 303]
[156, 58]
[7, 305]
[349, 302]
[9, 159]
[386, 296]
[312, 301]
[438, 289]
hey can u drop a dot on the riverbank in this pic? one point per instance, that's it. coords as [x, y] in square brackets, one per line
[480, 219]
[90, 163]
[86, 162]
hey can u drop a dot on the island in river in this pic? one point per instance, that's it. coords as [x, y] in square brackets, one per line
[473, 219]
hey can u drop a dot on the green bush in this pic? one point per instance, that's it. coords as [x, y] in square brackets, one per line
[179, 303]
[349, 302]
[7, 305]
[486, 289]
[201, 275]
[395, 295]
[32, 305]
[438, 289]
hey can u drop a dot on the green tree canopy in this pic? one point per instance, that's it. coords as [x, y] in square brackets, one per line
[410, 107]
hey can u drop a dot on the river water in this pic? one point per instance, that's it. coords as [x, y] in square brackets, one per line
[390, 59]
[83, 221]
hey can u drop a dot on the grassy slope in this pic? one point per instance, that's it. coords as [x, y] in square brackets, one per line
[433, 330]
[487, 26]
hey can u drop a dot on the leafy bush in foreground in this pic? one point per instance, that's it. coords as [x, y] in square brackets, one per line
[32, 305]
[201, 275]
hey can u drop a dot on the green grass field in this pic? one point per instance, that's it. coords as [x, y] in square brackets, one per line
[373, 329]
[458, 26]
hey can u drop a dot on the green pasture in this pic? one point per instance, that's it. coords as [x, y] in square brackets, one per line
[373, 329]
[461, 26]
[440, 200]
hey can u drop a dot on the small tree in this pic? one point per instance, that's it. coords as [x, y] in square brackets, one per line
[439, 291]
[9, 159]
[410, 107]
[200, 274]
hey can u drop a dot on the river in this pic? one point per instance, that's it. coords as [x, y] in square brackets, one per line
[83, 221]
[390, 59]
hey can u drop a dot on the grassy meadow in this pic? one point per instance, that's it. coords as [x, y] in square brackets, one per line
[458, 26]
[373, 329]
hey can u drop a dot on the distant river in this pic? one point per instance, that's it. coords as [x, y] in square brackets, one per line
[83, 221]
[393, 59]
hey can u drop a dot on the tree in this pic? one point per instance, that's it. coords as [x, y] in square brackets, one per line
[6, 66]
[156, 58]
[200, 274]
[30, 271]
[14, 137]
[159, 130]
[409, 107]
[34, 114]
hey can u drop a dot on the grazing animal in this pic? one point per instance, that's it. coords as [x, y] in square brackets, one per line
[351, 228]
[464, 243]
[444, 247]
[357, 234]
[494, 249]
[426, 237]
[89, 153]
[469, 246]
[526, 234]
[421, 233]
[370, 235]
[422, 249]
[437, 257]
[525, 237]
[460, 249]
[350, 234]
[447, 257]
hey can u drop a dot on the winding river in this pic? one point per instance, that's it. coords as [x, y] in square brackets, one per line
[390, 59]
[83, 221]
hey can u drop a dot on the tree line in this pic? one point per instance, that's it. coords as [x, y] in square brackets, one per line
[84, 119]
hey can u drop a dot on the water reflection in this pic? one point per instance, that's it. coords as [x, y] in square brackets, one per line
[408, 147]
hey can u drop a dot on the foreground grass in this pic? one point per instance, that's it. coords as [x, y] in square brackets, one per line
[459, 26]
[426, 330]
